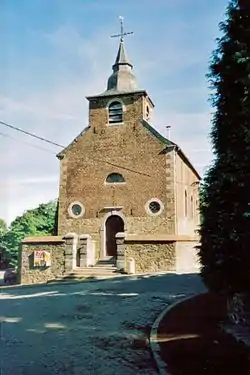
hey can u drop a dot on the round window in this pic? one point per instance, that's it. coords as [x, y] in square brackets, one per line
[154, 207]
[76, 209]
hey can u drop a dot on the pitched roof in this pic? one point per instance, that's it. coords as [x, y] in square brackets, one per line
[158, 135]
[121, 58]
[170, 144]
[62, 153]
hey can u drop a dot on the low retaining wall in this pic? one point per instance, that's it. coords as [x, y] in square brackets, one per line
[28, 273]
[63, 252]
[148, 253]
[157, 253]
[151, 257]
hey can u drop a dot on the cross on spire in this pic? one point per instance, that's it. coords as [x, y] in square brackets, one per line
[122, 33]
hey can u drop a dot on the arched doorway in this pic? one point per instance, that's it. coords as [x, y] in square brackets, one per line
[114, 224]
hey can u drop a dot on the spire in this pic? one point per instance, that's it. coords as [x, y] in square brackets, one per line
[121, 58]
[122, 78]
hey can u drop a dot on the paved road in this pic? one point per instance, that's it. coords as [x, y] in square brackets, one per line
[94, 328]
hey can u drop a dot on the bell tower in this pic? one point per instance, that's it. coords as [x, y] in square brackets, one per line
[122, 97]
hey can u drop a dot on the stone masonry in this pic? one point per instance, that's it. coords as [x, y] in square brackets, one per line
[151, 167]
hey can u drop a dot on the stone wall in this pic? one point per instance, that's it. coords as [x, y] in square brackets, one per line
[129, 149]
[65, 253]
[28, 274]
[150, 257]
[157, 252]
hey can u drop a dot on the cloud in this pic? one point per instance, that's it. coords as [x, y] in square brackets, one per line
[13, 182]
[80, 66]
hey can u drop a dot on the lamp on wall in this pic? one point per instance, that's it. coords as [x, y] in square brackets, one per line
[195, 183]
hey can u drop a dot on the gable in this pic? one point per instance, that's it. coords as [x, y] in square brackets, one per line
[156, 134]
[170, 145]
[164, 141]
[62, 153]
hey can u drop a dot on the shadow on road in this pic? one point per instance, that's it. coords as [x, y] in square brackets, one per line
[107, 319]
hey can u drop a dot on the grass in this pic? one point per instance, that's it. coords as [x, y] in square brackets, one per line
[192, 343]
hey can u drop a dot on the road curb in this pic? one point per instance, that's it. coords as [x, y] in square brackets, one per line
[154, 345]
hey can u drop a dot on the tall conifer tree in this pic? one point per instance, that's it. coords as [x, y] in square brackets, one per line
[225, 208]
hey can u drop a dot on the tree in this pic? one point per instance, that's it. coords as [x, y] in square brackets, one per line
[3, 227]
[3, 231]
[225, 208]
[40, 221]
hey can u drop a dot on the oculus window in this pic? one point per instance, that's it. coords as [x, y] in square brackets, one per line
[76, 209]
[154, 207]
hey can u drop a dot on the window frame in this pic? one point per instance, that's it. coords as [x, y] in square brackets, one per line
[115, 100]
[192, 206]
[149, 212]
[115, 182]
[70, 212]
[185, 204]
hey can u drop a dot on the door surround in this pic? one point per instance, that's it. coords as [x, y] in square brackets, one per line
[103, 229]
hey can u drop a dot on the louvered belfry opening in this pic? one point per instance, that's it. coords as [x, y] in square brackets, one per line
[115, 113]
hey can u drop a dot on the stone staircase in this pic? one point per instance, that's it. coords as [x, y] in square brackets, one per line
[104, 268]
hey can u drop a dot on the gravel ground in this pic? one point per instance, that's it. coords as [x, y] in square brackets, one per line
[87, 328]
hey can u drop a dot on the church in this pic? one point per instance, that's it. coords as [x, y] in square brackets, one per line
[128, 196]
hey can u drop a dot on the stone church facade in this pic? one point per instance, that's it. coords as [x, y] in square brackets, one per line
[127, 195]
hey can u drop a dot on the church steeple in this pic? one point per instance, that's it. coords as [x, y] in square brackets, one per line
[121, 58]
[122, 79]
[122, 100]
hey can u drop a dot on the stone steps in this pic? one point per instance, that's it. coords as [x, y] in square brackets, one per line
[93, 271]
[104, 268]
[106, 261]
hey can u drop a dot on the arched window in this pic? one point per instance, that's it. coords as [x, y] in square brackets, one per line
[147, 113]
[192, 206]
[115, 178]
[115, 112]
[186, 204]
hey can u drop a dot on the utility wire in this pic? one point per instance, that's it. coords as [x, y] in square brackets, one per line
[58, 145]
[27, 143]
[31, 134]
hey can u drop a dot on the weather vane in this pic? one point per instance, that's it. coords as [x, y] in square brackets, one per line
[122, 34]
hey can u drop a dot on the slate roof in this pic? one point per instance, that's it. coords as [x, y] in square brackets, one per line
[121, 58]
[122, 79]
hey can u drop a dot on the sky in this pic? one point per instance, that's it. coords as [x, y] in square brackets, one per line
[54, 53]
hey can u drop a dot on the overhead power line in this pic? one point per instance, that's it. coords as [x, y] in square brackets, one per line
[26, 143]
[31, 134]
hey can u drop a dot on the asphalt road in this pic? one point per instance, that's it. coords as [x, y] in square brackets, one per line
[88, 328]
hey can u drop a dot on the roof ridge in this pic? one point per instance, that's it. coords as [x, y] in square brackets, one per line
[156, 133]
